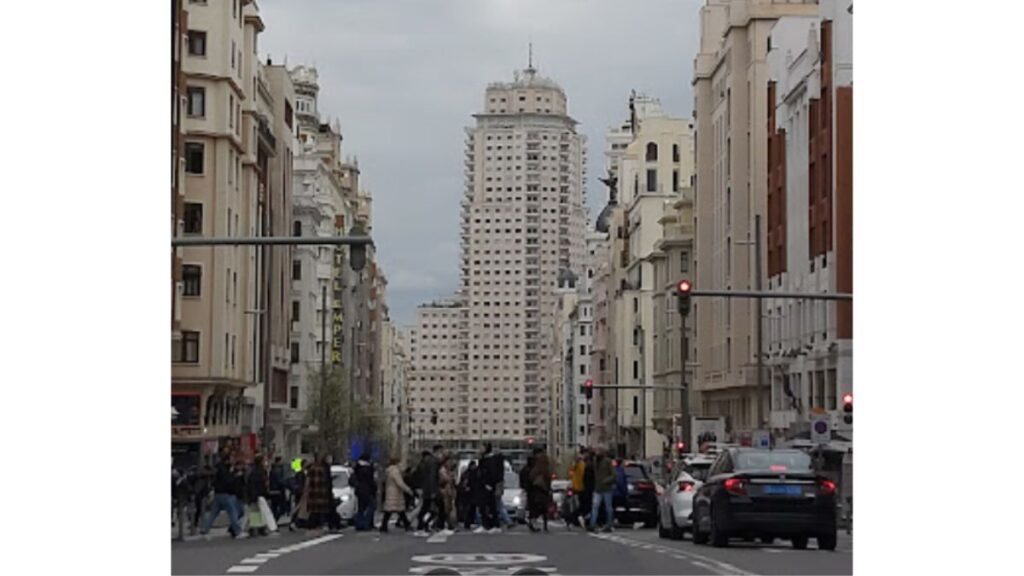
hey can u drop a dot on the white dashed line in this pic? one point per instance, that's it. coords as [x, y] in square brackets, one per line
[705, 562]
[253, 563]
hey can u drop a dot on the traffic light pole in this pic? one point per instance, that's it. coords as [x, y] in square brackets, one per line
[357, 240]
[351, 240]
[683, 390]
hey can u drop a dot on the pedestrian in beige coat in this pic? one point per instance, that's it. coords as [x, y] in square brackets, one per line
[395, 490]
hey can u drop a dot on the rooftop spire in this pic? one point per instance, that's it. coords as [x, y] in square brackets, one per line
[529, 65]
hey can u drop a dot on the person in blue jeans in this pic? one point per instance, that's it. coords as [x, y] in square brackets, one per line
[604, 484]
[224, 499]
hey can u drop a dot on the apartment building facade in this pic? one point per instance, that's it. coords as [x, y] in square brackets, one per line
[731, 118]
[809, 222]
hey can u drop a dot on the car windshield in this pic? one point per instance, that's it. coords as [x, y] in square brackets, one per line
[782, 460]
[511, 480]
[339, 479]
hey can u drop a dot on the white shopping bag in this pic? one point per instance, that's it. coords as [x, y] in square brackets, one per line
[268, 516]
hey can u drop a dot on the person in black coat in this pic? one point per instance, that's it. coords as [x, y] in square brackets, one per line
[492, 473]
[426, 474]
[365, 485]
[278, 489]
[476, 493]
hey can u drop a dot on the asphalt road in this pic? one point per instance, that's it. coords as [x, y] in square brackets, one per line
[560, 551]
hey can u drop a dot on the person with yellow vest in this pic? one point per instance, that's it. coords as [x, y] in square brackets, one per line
[577, 478]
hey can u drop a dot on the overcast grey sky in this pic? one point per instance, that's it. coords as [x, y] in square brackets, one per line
[404, 76]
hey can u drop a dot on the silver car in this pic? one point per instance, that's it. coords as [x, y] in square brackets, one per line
[342, 491]
[675, 507]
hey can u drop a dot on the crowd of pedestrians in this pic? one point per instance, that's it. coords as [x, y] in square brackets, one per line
[256, 496]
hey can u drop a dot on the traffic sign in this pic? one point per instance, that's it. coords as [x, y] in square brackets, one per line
[821, 429]
[762, 439]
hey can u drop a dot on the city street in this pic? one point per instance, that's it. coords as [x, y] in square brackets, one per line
[626, 551]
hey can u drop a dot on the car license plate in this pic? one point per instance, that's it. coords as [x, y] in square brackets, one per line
[782, 489]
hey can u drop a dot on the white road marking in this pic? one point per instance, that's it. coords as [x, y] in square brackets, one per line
[722, 568]
[252, 564]
[774, 550]
[437, 539]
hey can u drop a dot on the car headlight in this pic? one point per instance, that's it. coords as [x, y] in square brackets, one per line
[515, 500]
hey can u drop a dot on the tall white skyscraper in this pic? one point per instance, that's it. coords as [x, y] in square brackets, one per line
[523, 222]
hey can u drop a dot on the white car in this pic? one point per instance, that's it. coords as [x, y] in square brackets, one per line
[342, 491]
[675, 507]
[513, 496]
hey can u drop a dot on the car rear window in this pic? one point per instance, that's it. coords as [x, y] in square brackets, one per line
[339, 479]
[782, 460]
[635, 473]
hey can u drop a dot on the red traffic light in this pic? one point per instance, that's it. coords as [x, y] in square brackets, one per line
[680, 445]
[589, 383]
[529, 441]
[684, 286]
[848, 398]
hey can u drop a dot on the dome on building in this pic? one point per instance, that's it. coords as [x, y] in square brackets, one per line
[602, 219]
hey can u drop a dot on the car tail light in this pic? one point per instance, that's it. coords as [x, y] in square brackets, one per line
[827, 488]
[735, 486]
[686, 486]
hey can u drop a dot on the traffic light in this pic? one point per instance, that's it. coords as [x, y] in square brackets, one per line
[680, 447]
[683, 289]
[848, 408]
[357, 252]
[529, 441]
[588, 389]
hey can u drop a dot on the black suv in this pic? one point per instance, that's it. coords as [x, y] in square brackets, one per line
[639, 502]
[767, 494]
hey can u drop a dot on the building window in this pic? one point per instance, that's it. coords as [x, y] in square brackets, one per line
[684, 262]
[295, 310]
[675, 180]
[295, 352]
[187, 349]
[196, 101]
[583, 369]
[636, 369]
[297, 229]
[288, 113]
[297, 270]
[293, 398]
[652, 180]
[652, 152]
[675, 152]
[193, 218]
[192, 276]
[636, 405]
[196, 43]
[195, 155]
